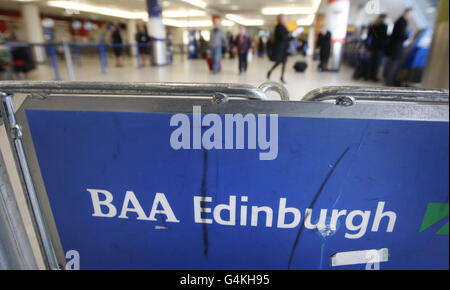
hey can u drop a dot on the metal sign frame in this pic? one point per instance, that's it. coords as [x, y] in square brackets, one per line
[84, 96]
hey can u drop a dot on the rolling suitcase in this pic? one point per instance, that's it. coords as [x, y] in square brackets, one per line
[361, 70]
[210, 62]
[300, 66]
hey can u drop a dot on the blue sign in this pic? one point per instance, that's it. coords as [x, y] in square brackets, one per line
[154, 8]
[139, 191]
[192, 45]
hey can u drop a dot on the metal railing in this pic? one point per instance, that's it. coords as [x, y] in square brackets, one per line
[386, 94]
[44, 88]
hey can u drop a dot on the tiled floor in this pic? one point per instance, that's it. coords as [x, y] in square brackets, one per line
[183, 70]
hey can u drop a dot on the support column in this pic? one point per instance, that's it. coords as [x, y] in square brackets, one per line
[131, 33]
[336, 19]
[33, 29]
[436, 71]
[157, 32]
[311, 44]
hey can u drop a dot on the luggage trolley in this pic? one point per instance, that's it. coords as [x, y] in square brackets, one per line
[131, 176]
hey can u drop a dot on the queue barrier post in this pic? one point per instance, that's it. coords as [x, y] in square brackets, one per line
[77, 51]
[54, 60]
[69, 64]
[138, 55]
[103, 58]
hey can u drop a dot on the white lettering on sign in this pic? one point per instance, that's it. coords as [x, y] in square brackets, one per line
[130, 198]
[73, 262]
[234, 132]
[237, 212]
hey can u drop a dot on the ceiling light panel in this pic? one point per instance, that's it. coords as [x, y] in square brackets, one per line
[197, 3]
[246, 22]
[183, 13]
[76, 6]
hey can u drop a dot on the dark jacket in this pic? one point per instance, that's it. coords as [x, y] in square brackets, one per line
[324, 44]
[244, 46]
[378, 37]
[399, 34]
[142, 37]
[281, 44]
[116, 37]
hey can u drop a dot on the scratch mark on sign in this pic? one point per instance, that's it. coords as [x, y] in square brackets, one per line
[203, 190]
[118, 123]
[322, 186]
[161, 227]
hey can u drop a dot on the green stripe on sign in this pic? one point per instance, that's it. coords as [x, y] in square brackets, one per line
[443, 11]
[443, 230]
[435, 212]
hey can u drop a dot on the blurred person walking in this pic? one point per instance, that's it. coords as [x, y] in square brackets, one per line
[394, 48]
[323, 46]
[202, 47]
[243, 45]
[377, 36]
[231, 44]
[116, 40]
[217, 41]
[280, 46]
[102, 35]
[142, 40]
[261, 47]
